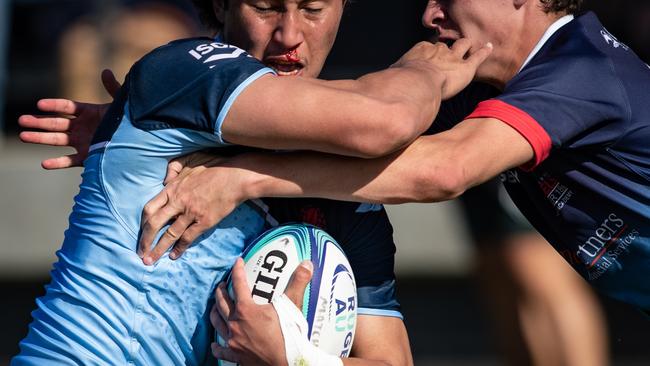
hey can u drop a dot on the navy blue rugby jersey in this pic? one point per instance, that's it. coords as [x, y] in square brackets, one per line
[365, 233]
[582, 103]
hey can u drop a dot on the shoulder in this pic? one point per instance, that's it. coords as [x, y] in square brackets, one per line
[579, 61]
[193, 56]
[188, 83]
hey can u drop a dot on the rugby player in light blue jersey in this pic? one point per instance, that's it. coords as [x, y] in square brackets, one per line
[104, 305]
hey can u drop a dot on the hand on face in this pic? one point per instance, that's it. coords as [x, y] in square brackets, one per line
[72, 124]
[453, 63]
[252, 332]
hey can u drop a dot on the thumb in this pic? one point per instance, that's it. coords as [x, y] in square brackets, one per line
[111, 84]
[478, 57]
[298, 283]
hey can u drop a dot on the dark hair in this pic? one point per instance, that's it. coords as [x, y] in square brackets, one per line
[562, 6]
[205, 10]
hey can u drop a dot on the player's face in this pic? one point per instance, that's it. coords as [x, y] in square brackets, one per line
[481, 21]
[293, 37]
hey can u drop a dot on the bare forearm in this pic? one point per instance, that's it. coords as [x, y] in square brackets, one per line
[373, 116]
[433, 168]
[369, 117]
[396, 178]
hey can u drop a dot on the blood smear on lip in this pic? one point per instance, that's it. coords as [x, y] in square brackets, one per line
[292, 56]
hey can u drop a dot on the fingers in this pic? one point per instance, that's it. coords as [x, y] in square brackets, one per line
[148, 228]
[63, 162]
[461, 47]
[173, 169]
[61, 106]
[224, 353]
[47, 123]
[224, 305]
[110, 83]
[481, 55]
[240, 286]
[169, 237]
[300, 278]
[46, 138]
[221, 311]
[219, 323]
[187, 238]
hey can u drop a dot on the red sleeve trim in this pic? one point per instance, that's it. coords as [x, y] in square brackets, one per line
[521, 121]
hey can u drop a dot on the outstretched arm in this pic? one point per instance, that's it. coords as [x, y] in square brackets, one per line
[434, 168]
[368, 117]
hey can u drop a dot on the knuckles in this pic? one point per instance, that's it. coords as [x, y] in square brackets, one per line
[242, 310]
[182, 244]
[147, 211]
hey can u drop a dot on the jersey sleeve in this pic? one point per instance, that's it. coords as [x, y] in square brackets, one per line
[558, 102]
[367, 238]
[191, 84]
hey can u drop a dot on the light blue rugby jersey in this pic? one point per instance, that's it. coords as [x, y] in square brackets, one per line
[103, 306]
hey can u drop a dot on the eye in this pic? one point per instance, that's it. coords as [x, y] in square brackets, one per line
[313, 7]
[264, 9]
[313, 10]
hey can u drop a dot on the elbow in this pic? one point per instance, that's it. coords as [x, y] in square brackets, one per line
[402, 124]
[392, 130]
[440, 183]
[385, 142]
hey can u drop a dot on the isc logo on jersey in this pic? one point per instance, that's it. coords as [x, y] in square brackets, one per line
[329, 303]
[207, 52]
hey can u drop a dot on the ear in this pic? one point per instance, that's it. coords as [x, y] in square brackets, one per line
[219, 7]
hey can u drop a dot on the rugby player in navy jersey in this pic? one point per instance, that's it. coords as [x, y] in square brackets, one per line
[104, 304]
[567, 132]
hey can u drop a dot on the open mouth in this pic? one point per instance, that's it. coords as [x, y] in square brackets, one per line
[435, 37]
[285, 68]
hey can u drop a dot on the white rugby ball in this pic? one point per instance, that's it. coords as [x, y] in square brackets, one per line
[330, 300]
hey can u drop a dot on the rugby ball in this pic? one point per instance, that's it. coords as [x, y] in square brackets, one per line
[330, 300]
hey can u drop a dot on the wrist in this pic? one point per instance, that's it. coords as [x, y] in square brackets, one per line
[298, 349]
[266, 175]
[251, 179]
[431, 80]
